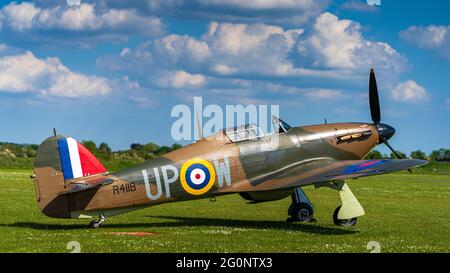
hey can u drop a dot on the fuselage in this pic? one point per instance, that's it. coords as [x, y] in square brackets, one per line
[257, 164]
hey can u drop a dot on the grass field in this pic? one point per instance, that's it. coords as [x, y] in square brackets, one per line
[404, 213]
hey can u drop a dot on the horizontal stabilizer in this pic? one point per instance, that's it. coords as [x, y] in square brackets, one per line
[87, 183]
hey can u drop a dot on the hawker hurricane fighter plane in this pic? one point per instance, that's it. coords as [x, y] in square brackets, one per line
[71, 183]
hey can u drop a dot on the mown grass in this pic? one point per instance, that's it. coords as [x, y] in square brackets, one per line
[404, 213]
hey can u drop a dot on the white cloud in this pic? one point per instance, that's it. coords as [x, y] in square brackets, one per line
[311, 93]
[181, 79]
[429, 37]
[333, 49]
[176, 48]
[234, 39]
[84, 19]
[410, 92]
[336, 43]
[223, 69]
[252, 49]
[225, 49]
[19, 16]
[47, 77]
[325, 94]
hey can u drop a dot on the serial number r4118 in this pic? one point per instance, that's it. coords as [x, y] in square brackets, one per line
[124, 188]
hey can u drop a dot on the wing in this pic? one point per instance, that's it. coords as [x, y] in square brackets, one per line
[351, 169]
[87, 183]
[325, 170]
[360, 168]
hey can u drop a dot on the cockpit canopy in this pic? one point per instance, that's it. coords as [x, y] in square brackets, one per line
[241, 133]
[252, 131]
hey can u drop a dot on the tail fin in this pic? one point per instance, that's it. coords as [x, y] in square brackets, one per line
[76, 160]
[59, 160]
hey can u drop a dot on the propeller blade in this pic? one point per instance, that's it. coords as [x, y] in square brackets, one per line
[385, 141]
[373, 98]
[392, 149]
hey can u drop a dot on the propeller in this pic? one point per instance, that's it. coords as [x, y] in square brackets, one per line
[373, 98]
[385, 131]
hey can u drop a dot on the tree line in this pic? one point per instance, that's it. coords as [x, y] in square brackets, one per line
[101, 151]
[136, 150]
[441, 155]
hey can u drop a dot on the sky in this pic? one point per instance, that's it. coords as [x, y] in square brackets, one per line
[111, 70]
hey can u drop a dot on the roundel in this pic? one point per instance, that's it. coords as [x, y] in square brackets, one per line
[197, 176]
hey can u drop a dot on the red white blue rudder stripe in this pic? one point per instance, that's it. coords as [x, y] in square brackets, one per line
[76, 160]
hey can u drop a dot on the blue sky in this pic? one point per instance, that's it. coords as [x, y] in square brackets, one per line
[111, 70]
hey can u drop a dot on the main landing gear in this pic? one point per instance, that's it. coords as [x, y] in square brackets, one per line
[97, 223]
[302, 210]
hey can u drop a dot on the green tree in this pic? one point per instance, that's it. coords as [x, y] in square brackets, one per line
[401, 154]
[418, 155]
[176, 146]
[104, 148]
[90, 145]
[31, 152]
[440, 155]
[163, 150]
[136, 146]
[148, 150]
[104, 151]
[374, 154]
[34, 147]
[151, 147]
[434, 156]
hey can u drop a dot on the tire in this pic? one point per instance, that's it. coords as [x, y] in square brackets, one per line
[94, 224]
[302, 212]
[343, 222]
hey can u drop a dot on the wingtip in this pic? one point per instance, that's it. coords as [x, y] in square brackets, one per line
[424, 162]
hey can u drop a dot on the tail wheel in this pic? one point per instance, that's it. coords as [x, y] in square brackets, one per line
[343, 222]
[301, 212]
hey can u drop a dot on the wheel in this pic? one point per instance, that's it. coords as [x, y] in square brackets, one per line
[94, 224]
[343, 222]
[301, 212]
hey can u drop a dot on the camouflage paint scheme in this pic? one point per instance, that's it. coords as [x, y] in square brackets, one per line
[304, 156]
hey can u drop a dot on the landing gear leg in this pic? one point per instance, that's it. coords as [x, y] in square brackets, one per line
[97, 223]
[301, 209]
[347, 214]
